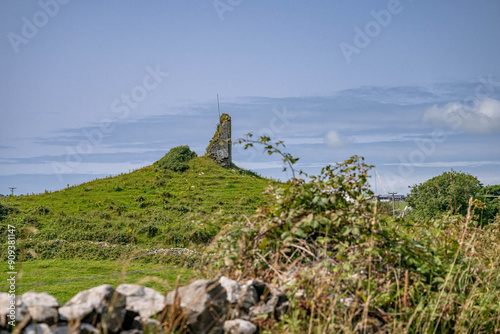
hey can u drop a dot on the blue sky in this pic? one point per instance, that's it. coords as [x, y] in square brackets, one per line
[93, 88]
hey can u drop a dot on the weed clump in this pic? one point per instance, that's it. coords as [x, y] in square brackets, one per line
[177, 159]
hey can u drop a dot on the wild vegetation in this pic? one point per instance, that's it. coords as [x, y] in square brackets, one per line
[345, 265]
[348, 268]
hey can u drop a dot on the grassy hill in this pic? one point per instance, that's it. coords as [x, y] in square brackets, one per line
[148, 208]
[83, 236]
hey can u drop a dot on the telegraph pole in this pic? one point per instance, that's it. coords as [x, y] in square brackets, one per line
[12, 190]
[393, 207]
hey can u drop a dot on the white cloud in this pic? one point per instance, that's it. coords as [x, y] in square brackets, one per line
[483, 116]
[334, 140]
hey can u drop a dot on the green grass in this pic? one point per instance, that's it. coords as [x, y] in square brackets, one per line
[64, 278]
[147, 208]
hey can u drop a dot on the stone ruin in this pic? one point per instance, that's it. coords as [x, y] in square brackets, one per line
[219, 148]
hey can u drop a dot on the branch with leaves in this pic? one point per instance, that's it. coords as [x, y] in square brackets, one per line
[270, 148]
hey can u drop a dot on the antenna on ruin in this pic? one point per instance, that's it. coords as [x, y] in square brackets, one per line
[218, 106]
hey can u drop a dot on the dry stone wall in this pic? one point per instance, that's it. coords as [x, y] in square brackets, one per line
[202, 307]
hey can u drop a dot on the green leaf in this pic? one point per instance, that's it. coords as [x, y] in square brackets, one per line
[300, 233]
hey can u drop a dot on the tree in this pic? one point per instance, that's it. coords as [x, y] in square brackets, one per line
[448, 192]
[491, 196]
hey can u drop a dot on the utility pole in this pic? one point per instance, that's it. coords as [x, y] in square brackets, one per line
[12, 190]
[393, 207]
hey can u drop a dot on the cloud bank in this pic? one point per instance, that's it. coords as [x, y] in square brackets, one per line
[483, 116]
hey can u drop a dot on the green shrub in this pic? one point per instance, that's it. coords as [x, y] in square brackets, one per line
[177, 159]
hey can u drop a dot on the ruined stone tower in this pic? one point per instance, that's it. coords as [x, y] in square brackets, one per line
[219, 148]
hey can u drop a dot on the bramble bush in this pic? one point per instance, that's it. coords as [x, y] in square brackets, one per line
[348, 268]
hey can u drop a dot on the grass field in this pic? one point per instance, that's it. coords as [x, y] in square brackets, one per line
[64, 278]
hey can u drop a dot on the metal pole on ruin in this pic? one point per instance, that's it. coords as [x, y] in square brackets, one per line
[218, 106]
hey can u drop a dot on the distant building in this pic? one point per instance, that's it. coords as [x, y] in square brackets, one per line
[388, 198]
